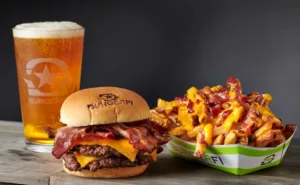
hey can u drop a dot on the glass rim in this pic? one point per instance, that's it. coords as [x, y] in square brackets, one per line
[26, 29]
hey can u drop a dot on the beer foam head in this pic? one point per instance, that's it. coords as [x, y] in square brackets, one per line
[48, 29]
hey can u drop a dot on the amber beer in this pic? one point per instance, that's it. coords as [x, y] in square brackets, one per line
[48, 59]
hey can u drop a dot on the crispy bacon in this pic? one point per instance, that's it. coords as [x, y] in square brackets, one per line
[158, 132]
[223, 96]
[205, 90]
[141, 139]
[226, 114]
[153, 127]
[243, 101]
[182, 100]
[255, 96]
[213, 99]
[216, 110]
[147, 136]
[144, 135]
[150, 135]
[235, 86]
[252, 96]
[224, 117]
[260, 99]
[63, 139]
[93, 136]
[247, 123]
[217, 98]
[190, 107]
[221, 89]
[234, 83]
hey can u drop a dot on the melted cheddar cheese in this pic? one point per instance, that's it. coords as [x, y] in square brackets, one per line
[208, 131]
[122, 146]
[185, 118]
[264, 110]
[237, 111]
[84, 160]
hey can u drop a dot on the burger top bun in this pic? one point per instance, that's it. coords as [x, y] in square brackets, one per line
[103, 105]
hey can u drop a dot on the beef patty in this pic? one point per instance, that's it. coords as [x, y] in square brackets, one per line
[112, 158]
[100, 151]
[96, 151]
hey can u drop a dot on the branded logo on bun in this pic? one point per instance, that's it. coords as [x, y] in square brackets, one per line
[108, 134]
[108, 97]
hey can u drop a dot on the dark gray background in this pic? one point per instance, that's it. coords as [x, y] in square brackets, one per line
[161, 48]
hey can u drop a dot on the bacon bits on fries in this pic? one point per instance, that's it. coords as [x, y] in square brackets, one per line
[222, 115]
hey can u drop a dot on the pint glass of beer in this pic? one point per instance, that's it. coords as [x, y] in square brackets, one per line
[48, 60]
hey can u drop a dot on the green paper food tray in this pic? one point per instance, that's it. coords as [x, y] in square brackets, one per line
[236, 159]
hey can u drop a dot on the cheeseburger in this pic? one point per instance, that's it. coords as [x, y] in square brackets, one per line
[108, 134]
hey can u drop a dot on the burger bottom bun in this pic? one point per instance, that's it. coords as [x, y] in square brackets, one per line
[109, 173]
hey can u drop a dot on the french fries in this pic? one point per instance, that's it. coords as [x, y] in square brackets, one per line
[208, 133]
[243, 140]
[230, 138]
[222, 115]
[200, 145]
[219, 140]
[263, 129]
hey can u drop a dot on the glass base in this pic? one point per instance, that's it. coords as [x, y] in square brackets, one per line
[38, 147]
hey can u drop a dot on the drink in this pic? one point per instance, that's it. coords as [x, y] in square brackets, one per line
[48, 59]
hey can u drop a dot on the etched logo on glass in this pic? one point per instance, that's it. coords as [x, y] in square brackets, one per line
[59, 82]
